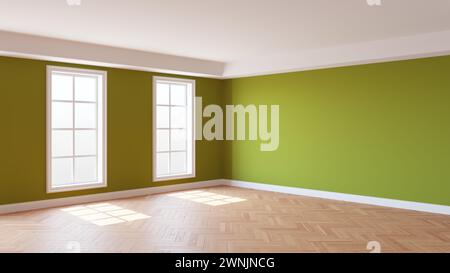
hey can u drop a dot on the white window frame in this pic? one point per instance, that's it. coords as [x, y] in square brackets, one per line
[154, 136]
[80, 186]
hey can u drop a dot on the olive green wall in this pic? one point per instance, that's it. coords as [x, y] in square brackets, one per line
[377, 130]
[22, 137]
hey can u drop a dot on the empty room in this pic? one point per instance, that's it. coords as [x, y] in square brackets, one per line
[204, 126]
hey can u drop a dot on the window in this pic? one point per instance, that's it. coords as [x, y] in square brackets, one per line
[173, 128]
[76, 129]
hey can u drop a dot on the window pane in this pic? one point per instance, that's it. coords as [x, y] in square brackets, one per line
[178, 117]
[62, 115]
[62, 143]
[162, 93]
[162, 164]
[178, 162]
[86, 88]
[62, 170]
[85, 115]
[86, 169]
[173, 146]
[81, 143]
[178, 140]
[162, 117]
[62, 87]
[162, 140]
[85, 142]
[177, 94]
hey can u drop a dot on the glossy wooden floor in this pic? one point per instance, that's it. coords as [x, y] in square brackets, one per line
[223, 219]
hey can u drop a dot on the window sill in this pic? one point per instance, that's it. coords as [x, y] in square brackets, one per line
[173, 177]
[77, 187]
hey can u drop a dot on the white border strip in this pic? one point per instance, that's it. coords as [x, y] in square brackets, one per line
[59, 202]
[409, 205]
[377, 201]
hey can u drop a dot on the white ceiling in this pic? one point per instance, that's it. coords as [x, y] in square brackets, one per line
[228, 30]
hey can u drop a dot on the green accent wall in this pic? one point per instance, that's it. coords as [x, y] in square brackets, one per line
[378, 130]
[23, 136]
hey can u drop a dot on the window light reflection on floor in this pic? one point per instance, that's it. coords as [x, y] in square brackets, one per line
[208, 198]
[105, 214]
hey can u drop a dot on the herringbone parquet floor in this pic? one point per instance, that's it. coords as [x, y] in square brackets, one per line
[223, 219]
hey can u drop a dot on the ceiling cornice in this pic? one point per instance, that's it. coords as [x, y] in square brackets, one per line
[402, 48]
[43, 48]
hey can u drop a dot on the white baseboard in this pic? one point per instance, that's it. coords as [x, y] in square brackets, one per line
[385, 202]
[67, 201]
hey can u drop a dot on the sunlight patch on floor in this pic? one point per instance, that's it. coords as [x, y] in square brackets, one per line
[208, 198]
[105, 214]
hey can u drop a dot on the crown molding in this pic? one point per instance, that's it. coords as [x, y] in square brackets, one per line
[50, 49]
[401, 48]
